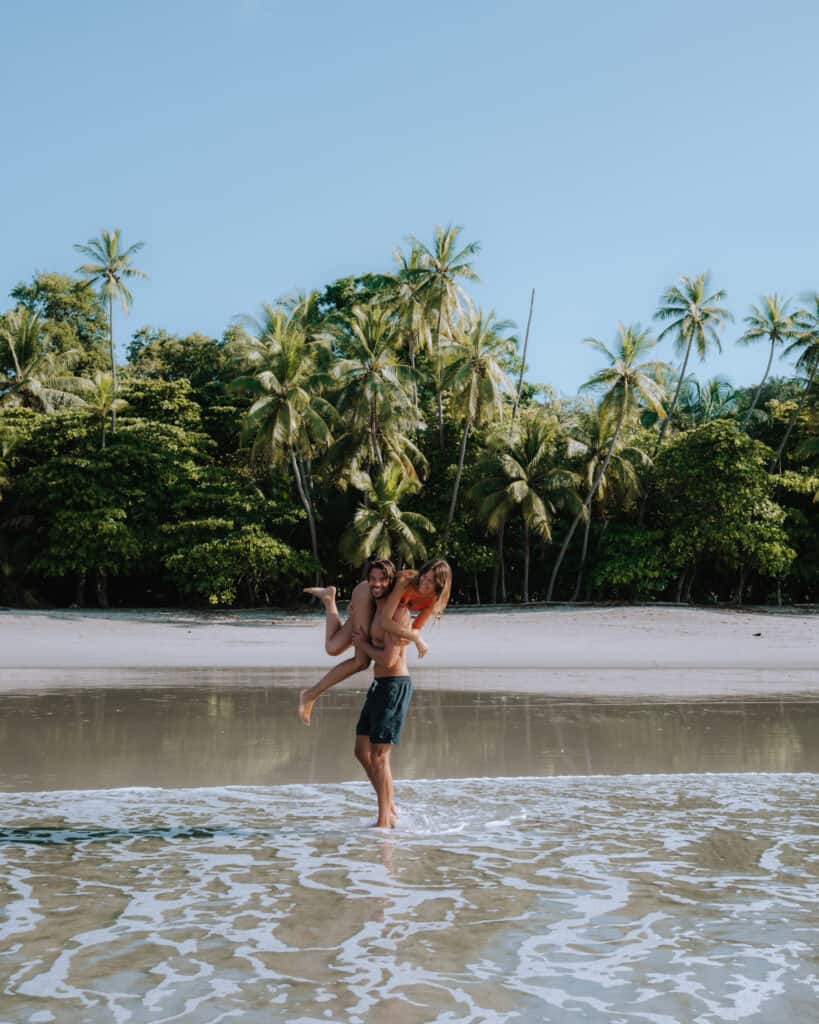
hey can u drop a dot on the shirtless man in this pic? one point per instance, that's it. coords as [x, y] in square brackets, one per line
[338, 635]
[385, 708]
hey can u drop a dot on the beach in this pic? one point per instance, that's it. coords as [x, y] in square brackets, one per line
[604, 811]
[620, 650]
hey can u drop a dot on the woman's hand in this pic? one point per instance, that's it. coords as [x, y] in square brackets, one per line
[419, 643]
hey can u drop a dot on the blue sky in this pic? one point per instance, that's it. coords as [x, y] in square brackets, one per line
[597, 151]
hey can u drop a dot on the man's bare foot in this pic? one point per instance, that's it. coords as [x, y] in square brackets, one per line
[393, 821]
[322, 593]
[394, 812]
[305, 706]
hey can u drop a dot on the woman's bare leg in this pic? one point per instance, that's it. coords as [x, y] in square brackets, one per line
[344, 669]
[362, 609]
[338, 635]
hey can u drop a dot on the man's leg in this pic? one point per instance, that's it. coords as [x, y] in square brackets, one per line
[363, 754]
[381, 778]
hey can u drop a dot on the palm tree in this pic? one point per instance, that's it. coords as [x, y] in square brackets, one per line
[772, 320]
[374, 385]
[412, 312]
[97, 395]
[626, 385]
[110, 268]
[704, 401]
[381, 529]
[806, 344]
[436, 280]
[521, 475]
[591, 442]
[695, 317]
[474, 376]
[289, 419]
[35, 375]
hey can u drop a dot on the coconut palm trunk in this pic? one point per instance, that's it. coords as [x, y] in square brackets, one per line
[523, 360]
[308, 508]
[758, 391]
[379, 458]
[113, 360]
[498, 572]
[584, 553]
[664, 422]
[776, 460]
[585, 510]
[526, 550]
[439, 396]
[102, 588]
[457, 484]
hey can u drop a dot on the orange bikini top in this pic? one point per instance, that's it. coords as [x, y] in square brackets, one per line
[417, 602]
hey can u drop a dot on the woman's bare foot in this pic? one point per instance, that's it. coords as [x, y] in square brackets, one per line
[305, 706]
[322, 593]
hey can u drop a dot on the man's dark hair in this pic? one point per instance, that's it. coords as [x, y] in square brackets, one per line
[386, 566]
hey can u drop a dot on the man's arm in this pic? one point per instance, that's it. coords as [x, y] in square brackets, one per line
[363, 645]
[389, 655]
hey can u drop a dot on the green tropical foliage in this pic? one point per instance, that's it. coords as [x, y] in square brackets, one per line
[381, 528]
[385, 414]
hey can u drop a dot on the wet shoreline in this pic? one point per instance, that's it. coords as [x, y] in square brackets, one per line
[178, 736]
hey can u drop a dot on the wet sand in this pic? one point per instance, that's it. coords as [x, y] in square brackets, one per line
[205, 734]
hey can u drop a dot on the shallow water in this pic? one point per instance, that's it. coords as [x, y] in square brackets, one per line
[573, 859]
[174, 735]
[663, 898]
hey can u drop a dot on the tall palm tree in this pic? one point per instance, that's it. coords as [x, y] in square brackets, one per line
[626, 386]
[381, 528]
[437, 280]
[289, 419]
[773, 320]
[590, 443]
[474, 376]
[693, 318]
[406, 297]
[35, 375]
[374, 385]
[521, 475]
[97, 395]
[806, 344]
[110, 268]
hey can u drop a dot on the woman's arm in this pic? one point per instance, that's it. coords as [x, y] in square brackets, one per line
[388, 615]
[394, 628]
[422, 618]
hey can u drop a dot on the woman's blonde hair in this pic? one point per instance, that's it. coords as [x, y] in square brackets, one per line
[442, 581]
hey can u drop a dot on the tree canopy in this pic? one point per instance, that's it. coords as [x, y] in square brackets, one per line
[379, 416]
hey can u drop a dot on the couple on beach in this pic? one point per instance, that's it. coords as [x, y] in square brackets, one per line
[378, 627]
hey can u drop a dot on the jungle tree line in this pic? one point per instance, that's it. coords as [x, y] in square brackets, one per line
[388, 415]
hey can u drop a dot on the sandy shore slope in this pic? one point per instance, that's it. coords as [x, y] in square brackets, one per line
[555, 639]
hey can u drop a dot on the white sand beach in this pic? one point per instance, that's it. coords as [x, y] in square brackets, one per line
[645, 649]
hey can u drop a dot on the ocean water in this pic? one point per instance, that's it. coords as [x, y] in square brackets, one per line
[631, 898]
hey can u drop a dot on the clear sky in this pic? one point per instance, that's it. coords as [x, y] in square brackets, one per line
[596, 150]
